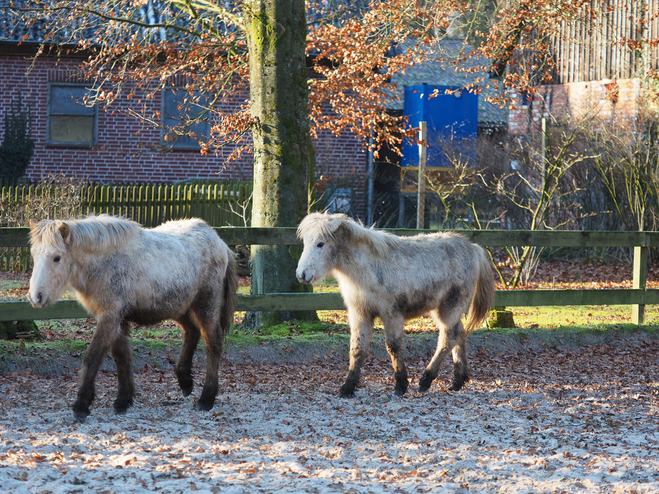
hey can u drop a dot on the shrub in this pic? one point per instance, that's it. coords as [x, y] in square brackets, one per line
[17, 146]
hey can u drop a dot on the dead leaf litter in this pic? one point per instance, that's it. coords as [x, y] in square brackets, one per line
[553, 420]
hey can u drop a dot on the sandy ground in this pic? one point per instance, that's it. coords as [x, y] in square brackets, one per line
[553, 420]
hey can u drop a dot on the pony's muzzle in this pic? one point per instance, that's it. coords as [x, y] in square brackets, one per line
[302, 278]
[38, 301]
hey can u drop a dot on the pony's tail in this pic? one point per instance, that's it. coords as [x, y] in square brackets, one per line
[229, 295]
[484, 295]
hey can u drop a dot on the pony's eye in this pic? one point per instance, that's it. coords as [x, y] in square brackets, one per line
[57, 258]
[320, 244]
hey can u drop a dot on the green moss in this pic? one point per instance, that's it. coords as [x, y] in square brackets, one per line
[262, 28]
[9, 348]
[291, 329]
[501, 318]
[238, 341]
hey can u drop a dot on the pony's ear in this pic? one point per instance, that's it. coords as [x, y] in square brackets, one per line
[337, 225]
[33, 225]
[65, 231]
[347, 230]
[355, 233]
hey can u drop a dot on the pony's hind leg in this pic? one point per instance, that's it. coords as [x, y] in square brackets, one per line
[393, 333]
[122, 354]
[451, 337]
[183, 368]
[361, 332]
[214, 343]
[460, 359]
[107, 329]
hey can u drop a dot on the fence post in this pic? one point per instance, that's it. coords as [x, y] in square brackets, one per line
[421, 186]
[638, 281]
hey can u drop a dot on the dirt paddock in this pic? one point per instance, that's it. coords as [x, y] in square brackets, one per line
[551, 420]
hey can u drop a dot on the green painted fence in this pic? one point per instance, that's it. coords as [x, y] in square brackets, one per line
[150, 205]
[226, 204]
[637, 297]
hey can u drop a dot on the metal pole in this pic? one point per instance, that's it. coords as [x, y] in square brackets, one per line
[543, 151]
[369, 205]
[421, 194]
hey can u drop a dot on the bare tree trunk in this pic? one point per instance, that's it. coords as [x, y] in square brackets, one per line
[276, 36]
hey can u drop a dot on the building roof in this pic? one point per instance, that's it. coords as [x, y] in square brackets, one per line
[439, 71]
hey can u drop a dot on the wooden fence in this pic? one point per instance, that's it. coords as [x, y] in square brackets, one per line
[150, 205]
[590, 46]
[226, 204]
[638, 296]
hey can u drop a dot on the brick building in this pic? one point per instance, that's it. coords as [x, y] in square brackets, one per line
[602, 59]
[110, 146]
[611, 100]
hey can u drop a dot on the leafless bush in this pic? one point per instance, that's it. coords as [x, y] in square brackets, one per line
[517, 184]
[57, 196]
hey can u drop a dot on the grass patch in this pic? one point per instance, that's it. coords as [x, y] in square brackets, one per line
[9, 349]
[580, 316]
[298, 328]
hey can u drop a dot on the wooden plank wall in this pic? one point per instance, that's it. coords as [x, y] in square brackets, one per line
[594, 47]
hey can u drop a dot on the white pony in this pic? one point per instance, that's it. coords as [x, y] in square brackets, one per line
[122, 273]
[398, 278]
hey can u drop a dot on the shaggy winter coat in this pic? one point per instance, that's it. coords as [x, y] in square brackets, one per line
[123, 274]
[398, 278]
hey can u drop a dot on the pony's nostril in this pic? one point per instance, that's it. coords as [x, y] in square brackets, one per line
[39, 297]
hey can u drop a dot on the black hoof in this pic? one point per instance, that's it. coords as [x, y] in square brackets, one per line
[186, 385]
[346, 393]
[120, 406]
[204, 405]
[424, 383]
[459, 383]
[400, 390]
[80, 412]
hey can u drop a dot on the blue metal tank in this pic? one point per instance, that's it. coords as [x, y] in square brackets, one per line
[452, 123]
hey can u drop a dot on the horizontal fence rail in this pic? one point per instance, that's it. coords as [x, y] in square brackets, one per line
[638, 296]
[70, 309]
[18, 237]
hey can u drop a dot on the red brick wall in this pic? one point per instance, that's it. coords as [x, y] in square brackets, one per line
[127, 149]
[611, 100]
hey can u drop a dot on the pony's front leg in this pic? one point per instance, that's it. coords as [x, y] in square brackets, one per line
[393, 334]
[361, 332]
[107, 330]
[122, 354]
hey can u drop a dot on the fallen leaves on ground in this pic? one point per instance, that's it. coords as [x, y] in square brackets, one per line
[548, 420]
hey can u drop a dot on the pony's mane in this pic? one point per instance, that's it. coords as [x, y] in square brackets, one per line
[326, 225]
[94, 232]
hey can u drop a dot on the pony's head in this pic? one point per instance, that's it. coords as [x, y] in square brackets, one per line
[50, 241]
[329, 239]
[318, 233]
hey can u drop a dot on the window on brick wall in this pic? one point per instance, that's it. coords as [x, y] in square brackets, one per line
[70, 121]
[183, 112]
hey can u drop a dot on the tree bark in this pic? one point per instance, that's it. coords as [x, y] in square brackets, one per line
[276, 36]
